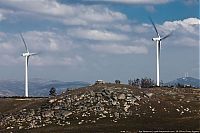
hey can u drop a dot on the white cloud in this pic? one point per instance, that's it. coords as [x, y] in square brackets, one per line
[187, 41]
[4, 13]
[119, 49]
[192, 21]
[72, 60]
[184, 32]
[122, 27]
[187, 24]
[95, 34]
[1, 17]
[141, 28]
[56, 61]
[141, 41]
[48, 41]
[136, 1]
[67, 14]
[53, 49]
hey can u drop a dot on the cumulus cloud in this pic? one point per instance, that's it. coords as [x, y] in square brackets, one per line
[68, 14]
[1, 17]
[98, 24]
[56, 61]
[136, 1]
[48, 41]
[119, 49]
[4, 13]
[188, 24]
[95, 34]
[141, 28]
[62, 48]
[122, 27]
[52, 48]
[186, 32]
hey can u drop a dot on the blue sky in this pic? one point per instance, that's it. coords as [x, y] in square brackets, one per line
[99, 39]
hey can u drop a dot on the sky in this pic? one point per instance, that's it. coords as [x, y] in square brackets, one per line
[87, 40]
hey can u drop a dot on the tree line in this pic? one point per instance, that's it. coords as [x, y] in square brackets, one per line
[143, 82]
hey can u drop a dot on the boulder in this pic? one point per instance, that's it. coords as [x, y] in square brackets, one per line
[52, 100]
[149, 95]
[92, 93]
[122, 96]
[57, 107]
[126, 108]
[116, 114]
[48, 113]
[66, 113]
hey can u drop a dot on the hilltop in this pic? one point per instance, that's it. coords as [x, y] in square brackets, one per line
[104, 108]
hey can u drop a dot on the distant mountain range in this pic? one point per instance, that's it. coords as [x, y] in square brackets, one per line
[185, 81]
[41, 87]
[37, 87]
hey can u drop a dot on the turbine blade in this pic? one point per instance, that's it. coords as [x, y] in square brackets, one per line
[154, 26]
[24, 42]
[38, 53]
[166, 36]
[33, 54]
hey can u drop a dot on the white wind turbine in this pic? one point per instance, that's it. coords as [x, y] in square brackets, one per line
[27, 54]
[158, 40]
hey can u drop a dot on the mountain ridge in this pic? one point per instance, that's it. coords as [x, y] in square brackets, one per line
[37, 87]
[41, 87]
[193, 82]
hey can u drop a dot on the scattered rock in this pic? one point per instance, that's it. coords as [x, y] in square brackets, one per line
[121, 96]
[52, 100]
[48, 113]
[66, 113]
[92, 106]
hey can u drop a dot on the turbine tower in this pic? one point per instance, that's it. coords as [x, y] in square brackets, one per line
[158, 40]
[27, 54]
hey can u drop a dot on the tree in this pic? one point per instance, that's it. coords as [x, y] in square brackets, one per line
[130, 82]
[161, 83]
[137, 82]
[179, 85]
[146, 83]
[52, 91]
[117, 81]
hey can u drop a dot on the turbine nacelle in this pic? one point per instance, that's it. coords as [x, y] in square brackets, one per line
[156, 39]
[28, 54]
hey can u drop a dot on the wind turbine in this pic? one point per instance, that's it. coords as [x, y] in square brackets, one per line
[158, 40]
[27, 54]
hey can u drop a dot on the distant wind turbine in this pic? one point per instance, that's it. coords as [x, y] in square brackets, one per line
[158, 40]
[27, 54]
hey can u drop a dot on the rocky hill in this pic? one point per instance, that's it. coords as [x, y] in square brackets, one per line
[104, 108]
